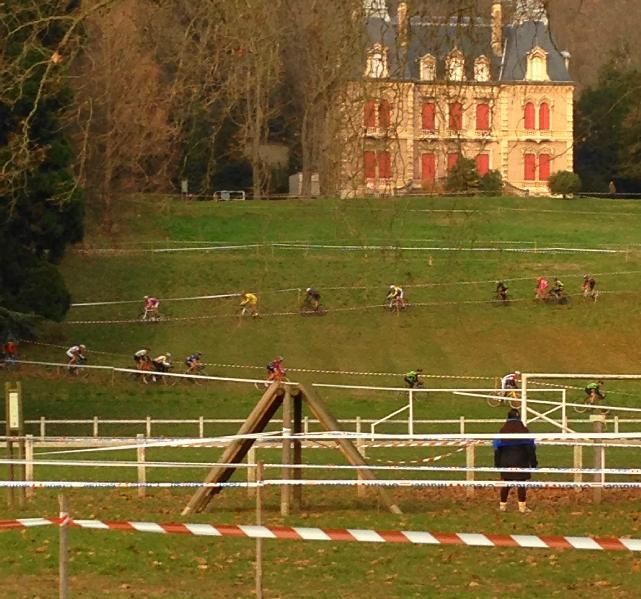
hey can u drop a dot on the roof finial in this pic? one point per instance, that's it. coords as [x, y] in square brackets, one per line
[376, 8]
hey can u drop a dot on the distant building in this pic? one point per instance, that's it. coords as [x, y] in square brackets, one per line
[434, 90]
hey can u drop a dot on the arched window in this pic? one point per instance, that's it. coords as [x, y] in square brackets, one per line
[529, 164]
[369, 114]
[482, 164]
[537, 65]
[455, 66]
[384, 114]
[482, 69]
[428, 68]
[483, 117]
[544, 117]
[428, 167]
[428, 116]
[544, 166]
[456, 116]
[530, 114]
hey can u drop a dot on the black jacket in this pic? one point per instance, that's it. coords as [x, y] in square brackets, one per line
[515, 453]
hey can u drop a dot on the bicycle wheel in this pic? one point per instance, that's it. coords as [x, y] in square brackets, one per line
[582, 408]
[514, 400]
[495, 401]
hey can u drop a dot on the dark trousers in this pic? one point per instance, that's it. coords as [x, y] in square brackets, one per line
[521, 493]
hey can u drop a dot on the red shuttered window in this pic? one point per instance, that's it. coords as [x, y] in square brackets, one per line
[529, 164]
[456, 116]
[428, 116]
[384, 114]
[428, 168]
[452, 159]
[544, 167]
[544, 117]
[482, 164]
[483, 117]
[384, 164]
[369, 114]
[369, 164]
[529, 116]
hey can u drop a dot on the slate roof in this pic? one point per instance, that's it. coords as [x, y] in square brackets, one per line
[473, 38]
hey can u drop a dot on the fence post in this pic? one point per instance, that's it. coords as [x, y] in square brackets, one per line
[142, 471]
[410, 414]
[470, 454]
[28, 469]
[201, 427]
[63, 556]
[616, 424]
[306, 424]
[43, 427]
[361, 490]
[251, 470]
[564, 410]
[462, 425]
[578, 465]
[95, 426]
[148, 426]
[286, 489]
[599, 458]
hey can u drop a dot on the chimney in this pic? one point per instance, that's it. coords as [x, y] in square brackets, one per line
[497, 28]
[566, 57]
[401, 16]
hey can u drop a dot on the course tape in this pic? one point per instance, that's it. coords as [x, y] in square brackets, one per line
[356, 535]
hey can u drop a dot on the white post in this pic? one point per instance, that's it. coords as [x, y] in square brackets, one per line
[201, 427]
[469, 463]
[95, 426]
[462, 425]
[259, 540]
[28, 470]
[564, 411]
[142, 471]
[616, 424]
[360, 489]
[63, 556]
[306, 424]
[578, 465]
[524, 398]
[251, 470]
[43, 427]
[410, 417]
[148, 426]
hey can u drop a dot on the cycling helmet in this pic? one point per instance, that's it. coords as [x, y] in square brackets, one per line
[586, 276]
[308, 290]
[517, 372]
[82, 346]
[168, 355]
[146, 297]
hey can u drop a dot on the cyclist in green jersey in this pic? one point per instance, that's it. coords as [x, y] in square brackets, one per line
[595, 389]
[413, 378]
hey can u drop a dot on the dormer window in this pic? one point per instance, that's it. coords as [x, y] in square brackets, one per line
[537, 65]
[376, 62]
[455, 66]
[482, 69]
[428, 68]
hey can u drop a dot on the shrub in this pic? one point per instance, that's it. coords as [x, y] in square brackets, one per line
[463, 177]
[491, 183]
[564, 183]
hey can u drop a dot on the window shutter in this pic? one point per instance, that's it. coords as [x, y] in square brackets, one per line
[529, 116]
[384, 164]
[384, 114]
[544, 117]
[482, 164]
[369, 115]
[456, 116]
[429, 116]
[428, 168]
[529, 163]
[369, 164]
[483, 117]
[544, 167]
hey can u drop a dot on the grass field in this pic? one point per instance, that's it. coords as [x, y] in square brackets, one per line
[447, 253]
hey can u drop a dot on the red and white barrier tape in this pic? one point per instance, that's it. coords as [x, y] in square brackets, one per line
[296, 533]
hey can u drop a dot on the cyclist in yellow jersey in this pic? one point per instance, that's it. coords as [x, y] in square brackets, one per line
[249, 304]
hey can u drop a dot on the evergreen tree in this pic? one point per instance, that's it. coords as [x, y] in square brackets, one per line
[41, 206]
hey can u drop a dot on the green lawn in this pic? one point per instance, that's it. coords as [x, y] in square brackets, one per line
[451, 330]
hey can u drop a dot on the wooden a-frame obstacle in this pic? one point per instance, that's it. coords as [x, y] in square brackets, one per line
[275, 396]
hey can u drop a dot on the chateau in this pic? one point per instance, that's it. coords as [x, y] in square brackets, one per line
[434, 90]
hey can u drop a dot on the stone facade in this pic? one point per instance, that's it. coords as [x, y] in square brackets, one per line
[505, 100]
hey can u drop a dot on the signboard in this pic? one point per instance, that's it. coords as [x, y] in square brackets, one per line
[14, 410]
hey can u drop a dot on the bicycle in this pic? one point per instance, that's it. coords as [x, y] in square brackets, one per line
[151, 316]
[559, 298]
[509, 397]
[589, 402]
[312, 309]
[397, 305]
[273, 376]
[199, 370]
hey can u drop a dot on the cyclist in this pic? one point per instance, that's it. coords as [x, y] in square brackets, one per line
[312, 299]
[501, 291]
[594, 391]
[396, 295]
[275, 369]
[413, 378]
[510, 381]
[76, 355]
[162, 363]
[193, 363]
[142, 358]
[151, 308]
[541, 289]
[10, 351]
[557, 289]
[589, 287]
[249, 304]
